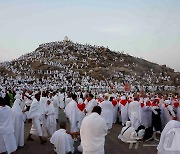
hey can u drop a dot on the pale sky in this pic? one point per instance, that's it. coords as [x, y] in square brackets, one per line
[143, 28]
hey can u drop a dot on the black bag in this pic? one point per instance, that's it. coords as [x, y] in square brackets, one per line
[148, 133]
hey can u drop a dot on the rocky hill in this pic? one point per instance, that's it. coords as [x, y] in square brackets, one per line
[66, 59]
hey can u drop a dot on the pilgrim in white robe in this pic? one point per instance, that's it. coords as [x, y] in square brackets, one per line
[168, 112]
[107, 112]
[146, 114]
[49, 124]
[7, 138]
[71, 111]
[170, 139]
[62, 100]
[81, 114]
[90, 105]
[35, 115]
[124, 110]
[128, 134]
[56, 104]
[43, 101]
[18, 121]
[67, 100]
[93, 131]
[134, 111]
[63, 142]
[115, 110]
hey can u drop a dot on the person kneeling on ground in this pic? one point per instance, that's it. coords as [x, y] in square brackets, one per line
[128, 134]
[63, 142]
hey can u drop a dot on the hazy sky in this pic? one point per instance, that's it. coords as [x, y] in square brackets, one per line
[143, 28]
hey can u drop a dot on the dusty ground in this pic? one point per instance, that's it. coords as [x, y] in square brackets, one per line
[112, 145]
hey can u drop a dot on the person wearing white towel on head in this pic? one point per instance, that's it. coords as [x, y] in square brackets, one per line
[7, 139]
[18, 120]
[128, 134]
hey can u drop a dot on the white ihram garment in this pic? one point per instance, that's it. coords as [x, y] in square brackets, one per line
[35, 115]
[134, 111]
[90, 105]
[71, 111]
[49, 124]
[62, 141]
[107, 112]
[7, 139]
[93, 131]
[18, 121]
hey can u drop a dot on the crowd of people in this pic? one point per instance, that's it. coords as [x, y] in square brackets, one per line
[91, 105]
[62, 62]
[91, 116]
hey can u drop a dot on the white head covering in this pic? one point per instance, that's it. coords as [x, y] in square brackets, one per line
[80, 101]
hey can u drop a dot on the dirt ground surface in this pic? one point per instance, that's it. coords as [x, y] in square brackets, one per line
[112, 144]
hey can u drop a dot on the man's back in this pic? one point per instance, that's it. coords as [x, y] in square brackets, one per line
[6, 122]
[62, 141]
[93, 131]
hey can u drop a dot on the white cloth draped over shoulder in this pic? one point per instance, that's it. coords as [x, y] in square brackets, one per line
[35, 110]
[134, 111]
[128, 134]
[35, 115]
[56, 103]
[93, 131]
[49, 122]
[90, 105]
[18, 120]
[43, 102]
[71, 111]
[107, 112]
[62, 141]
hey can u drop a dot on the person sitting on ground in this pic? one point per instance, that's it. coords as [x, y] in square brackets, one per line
[128, 134]
[63, 142]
